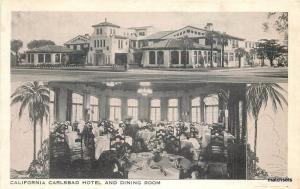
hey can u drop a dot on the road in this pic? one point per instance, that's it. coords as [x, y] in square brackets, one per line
[246, 75]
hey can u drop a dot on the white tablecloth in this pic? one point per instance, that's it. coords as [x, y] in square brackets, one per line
[70, 138]
[101, 144]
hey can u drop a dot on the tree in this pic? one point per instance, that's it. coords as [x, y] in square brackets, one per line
[15, 46]
[209, 37]
[239, 53]
[35, 97]
[257, 96]
[279, 20]
[272, 49]
[39, 43]
[223, 38]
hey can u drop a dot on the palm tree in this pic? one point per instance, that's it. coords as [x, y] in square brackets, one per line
[35, 97]
[223, 38]
[257, 96]
[239, 53]
[210, 41]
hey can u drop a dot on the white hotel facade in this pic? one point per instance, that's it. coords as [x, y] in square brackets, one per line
[144, 46]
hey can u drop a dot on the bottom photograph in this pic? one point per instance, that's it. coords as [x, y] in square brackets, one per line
[148, 130]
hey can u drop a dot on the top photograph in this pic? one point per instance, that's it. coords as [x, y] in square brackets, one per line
[247, 47]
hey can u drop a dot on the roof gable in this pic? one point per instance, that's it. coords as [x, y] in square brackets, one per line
[77, 40]
[189, 31]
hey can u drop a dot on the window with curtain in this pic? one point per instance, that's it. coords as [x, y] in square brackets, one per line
[196, 110]
[41, 58]
[173, 110]
[155, 110]
[115, 109]
[94, 108]
[211, 109]
[174, 57]
[160, 57]
[77, 105]
[47, 58]
[132, 108]
[152, 57]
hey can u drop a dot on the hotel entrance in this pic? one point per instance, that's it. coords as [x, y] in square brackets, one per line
[121, 58]
[99, 58]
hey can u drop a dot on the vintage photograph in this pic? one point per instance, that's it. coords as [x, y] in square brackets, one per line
[166, 95]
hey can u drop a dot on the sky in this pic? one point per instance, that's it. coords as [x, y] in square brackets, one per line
[63, 26]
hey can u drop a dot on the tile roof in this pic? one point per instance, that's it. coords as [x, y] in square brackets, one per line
[177, 44]
[106, 24]
[140, 27]
[157, 35]
[51, 49]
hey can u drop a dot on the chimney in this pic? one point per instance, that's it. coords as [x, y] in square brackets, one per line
[209, 26]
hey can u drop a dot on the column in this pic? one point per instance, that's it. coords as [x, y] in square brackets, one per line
[62, 104]
[167, 60]
[179, 57]
[52, 56]
[124, 108]
[145, 59]
[164, 108]
[104, 107]
[202, 108]
[35, 62]
[86, 107]
[144, 108]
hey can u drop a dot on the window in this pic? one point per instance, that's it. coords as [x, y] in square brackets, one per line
[155, 110]
[196, 110]
[160, 57]
[41, 58]
[211, 109]
[231, 56]
[195, 57]
[200, 58]
[184, 57]
[115, 109]
[103, 43]
[174, 57]
[152, 57]
[100, 43]
[77, 101]
[94, 108]
[205, 57]
[173, 109]
[95, 45]
[120, 44]
[214, 57]
[30, 58]
[97, 31]
[226, 57]
[188, 31]
[101, 31]
[132, 108]
[57, 57]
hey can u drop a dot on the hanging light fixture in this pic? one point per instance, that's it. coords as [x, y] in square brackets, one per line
[145, 89]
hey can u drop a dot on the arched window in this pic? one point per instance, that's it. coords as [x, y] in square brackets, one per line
[173, 109]
[160, 57]
[211, 109]
[94, 106]
[174, 57]
[184, 57]
[57, 57]
[115, 109]
[196, 110]
[155, 110]
[152, 57]
[77, 101]
[132, 108]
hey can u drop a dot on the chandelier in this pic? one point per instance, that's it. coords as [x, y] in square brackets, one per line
[145, 89]
[112, 84]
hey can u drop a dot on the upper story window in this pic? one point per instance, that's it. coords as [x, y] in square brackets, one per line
[120, 44]
[100, 31]
[97, 31]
